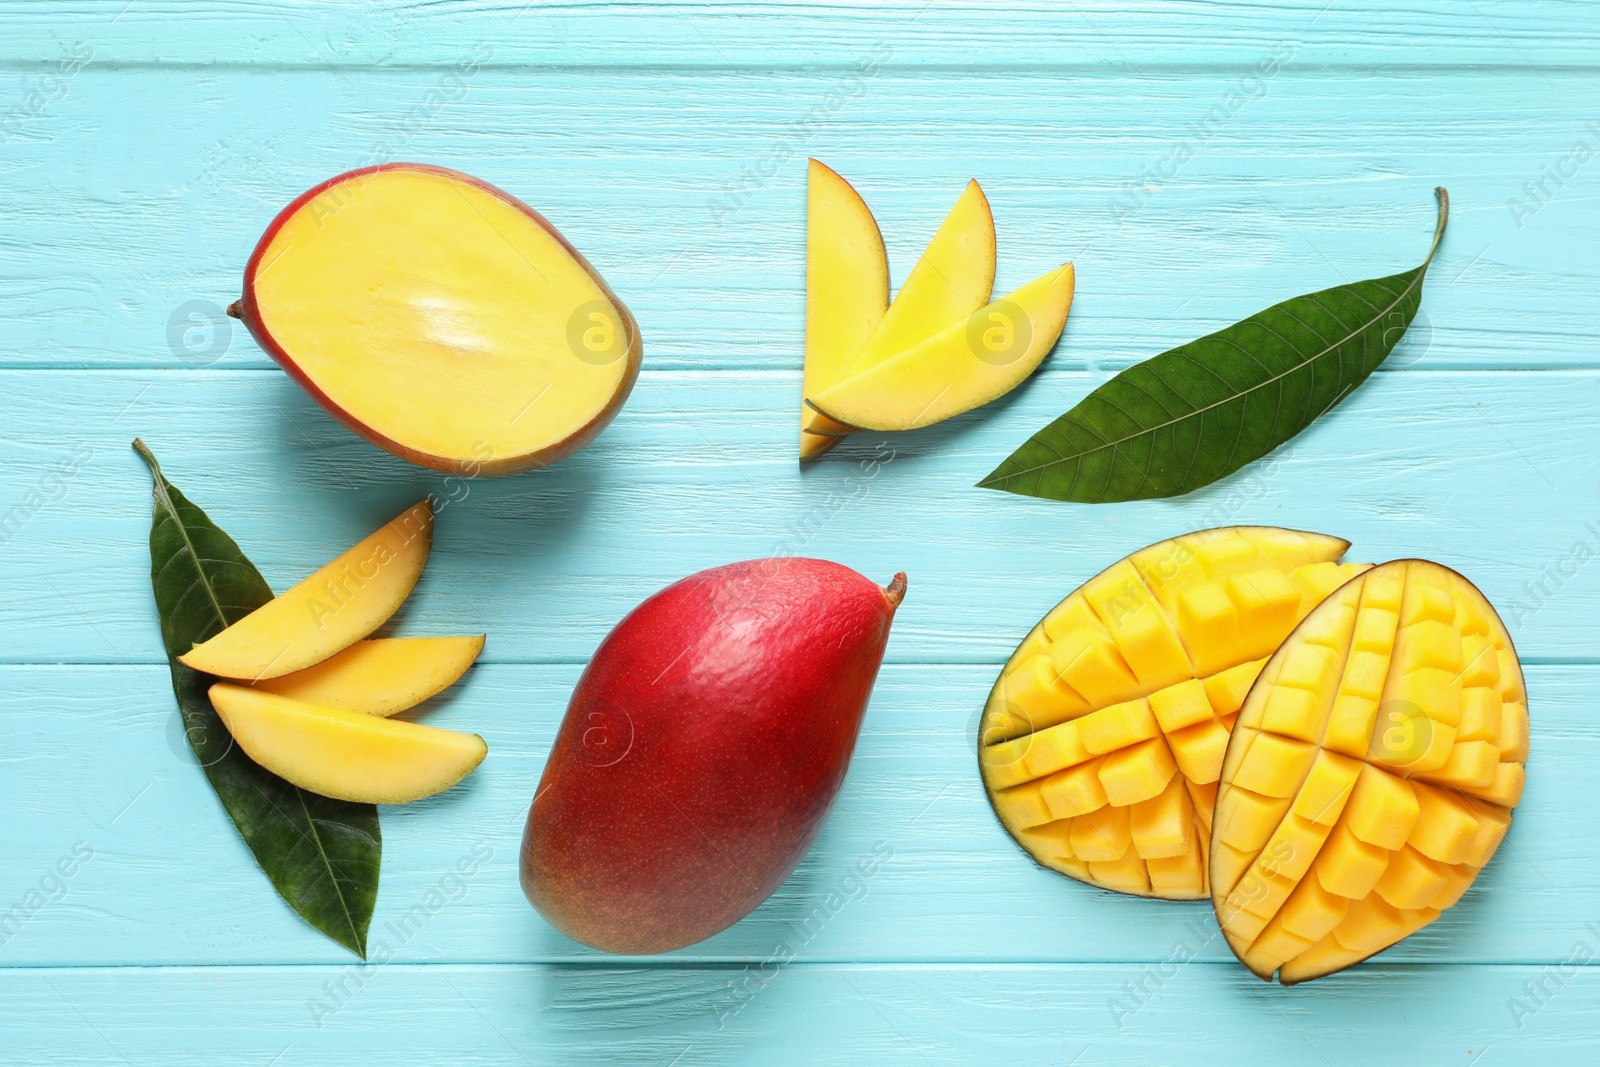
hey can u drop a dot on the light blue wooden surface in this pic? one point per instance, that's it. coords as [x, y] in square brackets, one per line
[139, 183]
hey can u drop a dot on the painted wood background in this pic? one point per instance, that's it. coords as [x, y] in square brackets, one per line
[145, 144]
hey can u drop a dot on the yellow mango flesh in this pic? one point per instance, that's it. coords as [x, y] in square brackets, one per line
[847, 291]
[953, 278]
[974, 361]
[1105, 734]
[345, 754]
[443, 320]
[329, 611]
[383, 676]
[1409, 700]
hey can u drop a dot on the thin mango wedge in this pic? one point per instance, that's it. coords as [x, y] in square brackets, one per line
[953, 278]
[327, 612]
[847, 289]
[382, 677]
[966, 366]
[345, 754]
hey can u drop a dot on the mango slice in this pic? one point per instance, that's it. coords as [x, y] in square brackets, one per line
[974, 361]
[847, 291]
[953, 278]
[345, 754]
[1398, 762]
[1105, 734]
[381, 677]
[329, 611]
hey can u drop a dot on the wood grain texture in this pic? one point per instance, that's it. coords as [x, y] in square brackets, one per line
[122, 240]
[699, 470]
[144, 146]
[1038, 1016]
[98, 759]
[662, 33]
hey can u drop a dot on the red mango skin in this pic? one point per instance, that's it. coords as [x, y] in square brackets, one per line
[701, 751]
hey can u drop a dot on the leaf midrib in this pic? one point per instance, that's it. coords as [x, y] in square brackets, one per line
[1416, 278]
[188, 543]
[333, 879]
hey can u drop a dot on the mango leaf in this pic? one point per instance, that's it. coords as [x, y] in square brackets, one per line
[1199, 412]
[321, 855]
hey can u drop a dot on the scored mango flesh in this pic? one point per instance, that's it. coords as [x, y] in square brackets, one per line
[1371, 775]
[1104, 736]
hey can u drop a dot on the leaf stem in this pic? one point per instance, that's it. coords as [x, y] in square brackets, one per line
[1444, 216]
[149, 457]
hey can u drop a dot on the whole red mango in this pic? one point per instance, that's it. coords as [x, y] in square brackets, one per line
[701, 751]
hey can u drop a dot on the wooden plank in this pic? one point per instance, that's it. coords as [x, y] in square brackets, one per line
[662, 138]
[699, 470]
[799, 1014]
[912, 865]
[126, 237]
[1130, 36]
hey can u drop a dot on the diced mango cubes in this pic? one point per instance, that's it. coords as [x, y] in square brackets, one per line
[1177, 876]
[1327, 787]
[1268, 605]
[1138, 772]
[1275, 766]
[1226, 691]
[1312, 912]
[1075, 791]
[1199, 750]
[1117, 726]
[1122, 699]
[1036, 697]
[1348, 866]
[1296, 712]
[1481, 712]
[1382, 808]
[1412, 880]
[1470, 763]
[1181, 705]
[1163, 825]
[1330, 751]
[1245, 820]
[1140, 627]
[1101, 835]
[1210, 623]
[1364, 808]
[1089, 663]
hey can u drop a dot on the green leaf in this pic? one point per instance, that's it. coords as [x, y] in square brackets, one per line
[321, 855]
[1199, 412]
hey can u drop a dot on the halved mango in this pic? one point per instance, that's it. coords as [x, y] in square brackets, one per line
[1414, 776]
[442, 319]
[345, 754]
[329, 611]
[847, 292]
[1123, 696]
[384, 676]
